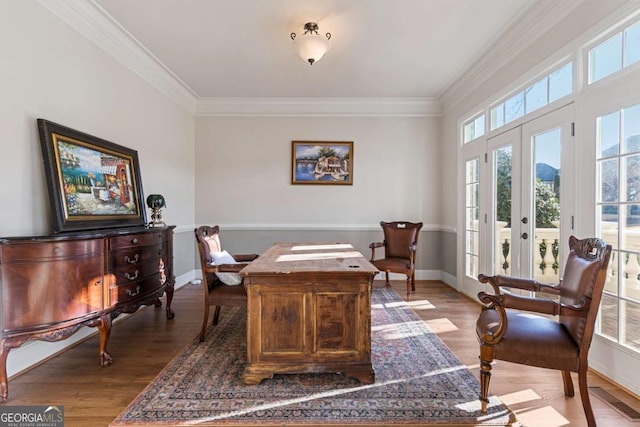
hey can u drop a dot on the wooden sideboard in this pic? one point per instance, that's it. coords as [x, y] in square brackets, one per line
[309, 310]
[50, 286]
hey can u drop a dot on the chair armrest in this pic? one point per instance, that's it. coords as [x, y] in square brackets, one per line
[373, 247]
[245, 257]
[519, 283]
[537, 305]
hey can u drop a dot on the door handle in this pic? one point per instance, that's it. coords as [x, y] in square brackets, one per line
[524, 236]
[524, 220]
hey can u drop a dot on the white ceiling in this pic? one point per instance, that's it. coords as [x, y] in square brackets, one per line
[380, 48]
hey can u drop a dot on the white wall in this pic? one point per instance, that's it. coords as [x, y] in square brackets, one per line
[243, 171]
[48, 70]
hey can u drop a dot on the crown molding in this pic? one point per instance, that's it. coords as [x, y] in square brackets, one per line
[94, 23]
[524, 29]
[394, 107]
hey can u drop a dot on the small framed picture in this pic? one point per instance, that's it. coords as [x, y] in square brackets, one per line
[322, 163]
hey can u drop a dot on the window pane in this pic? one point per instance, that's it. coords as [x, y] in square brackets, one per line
[536, 96]
[561, 82]
[478, 124]
[514, 107]
[632, 44]
[609, 317]
[609, 134]
[630, 235]
[468, 132]
[497, 116]
[631, 313]
[631, 129]
[609, 180]
[606, 58]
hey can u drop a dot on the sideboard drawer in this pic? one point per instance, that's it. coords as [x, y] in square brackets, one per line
[131, 291]
[134, 256]
[32, 250]
[141, 239]
[134, 273]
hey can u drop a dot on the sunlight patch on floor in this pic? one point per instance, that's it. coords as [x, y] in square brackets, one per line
[395, 331]
[422, 304]
[546, 416]
[441, 325]
[521, 396]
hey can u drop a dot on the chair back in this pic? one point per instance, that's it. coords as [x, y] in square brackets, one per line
[398, 237]
[583, 283]
[209, 238]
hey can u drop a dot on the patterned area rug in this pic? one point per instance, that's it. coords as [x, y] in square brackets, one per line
[418, 381]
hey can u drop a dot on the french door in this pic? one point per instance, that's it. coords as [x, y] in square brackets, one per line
[525, 200]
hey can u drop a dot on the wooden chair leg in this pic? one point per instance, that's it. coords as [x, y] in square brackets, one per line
[584, 395]
[386, 276]
[408, 285]
[413, 281]
[486, 357]
[568, 384]
[205, 321]
[216, 315]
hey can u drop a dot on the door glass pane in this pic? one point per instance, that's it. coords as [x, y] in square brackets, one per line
[608, 220]
[546, 149]
[631, 313]
[631, 276]
[609, 134]
[502, 179]
[632, 193]
[609, 317]
[609, 180]
[632, 129]
[472, 185]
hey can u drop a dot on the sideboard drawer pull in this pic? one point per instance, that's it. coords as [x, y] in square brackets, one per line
[57, 250]
[130, 277]
[132, 293]
[132, 260]
[134, 241]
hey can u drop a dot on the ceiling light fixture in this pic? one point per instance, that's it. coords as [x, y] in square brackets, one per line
[310, 45]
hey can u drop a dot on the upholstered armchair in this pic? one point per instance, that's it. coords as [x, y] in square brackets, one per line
[400, 245]
[559, 335]
[221, 281]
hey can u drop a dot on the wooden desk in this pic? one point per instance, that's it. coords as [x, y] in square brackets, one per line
[309, 310]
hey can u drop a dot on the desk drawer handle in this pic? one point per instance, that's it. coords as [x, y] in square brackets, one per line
[133, 294]
[130, 277]
[132, 260]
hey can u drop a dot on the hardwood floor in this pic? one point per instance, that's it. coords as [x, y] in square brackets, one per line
[144, 343]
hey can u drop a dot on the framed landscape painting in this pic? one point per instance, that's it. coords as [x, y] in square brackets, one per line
[322, 163]
[92, 183]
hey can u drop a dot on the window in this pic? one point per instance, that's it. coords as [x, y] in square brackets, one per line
[473, 129]
[619, 51]
[472, 212]
[552, 87]
[618, 220]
